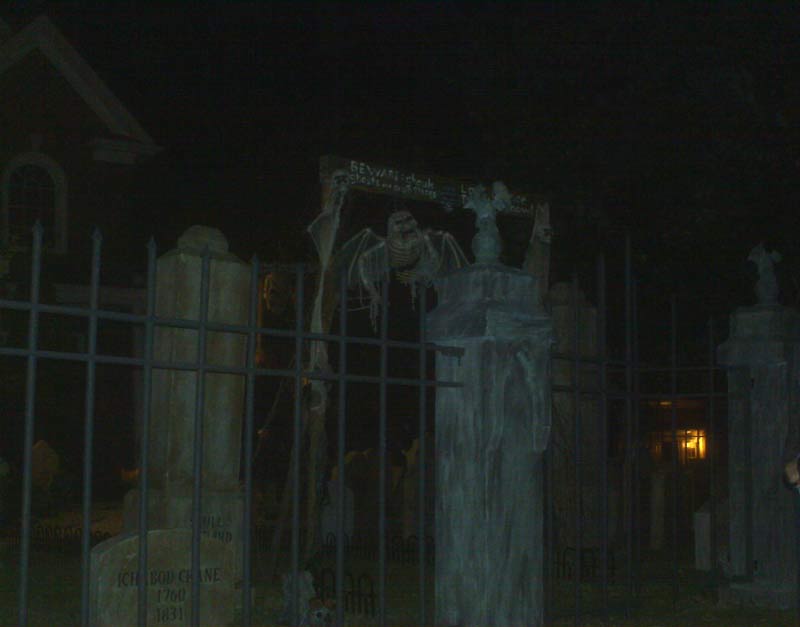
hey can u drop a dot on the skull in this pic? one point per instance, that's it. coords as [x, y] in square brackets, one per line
[403, 239]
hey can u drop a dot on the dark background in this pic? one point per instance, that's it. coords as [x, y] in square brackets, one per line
[677, 123]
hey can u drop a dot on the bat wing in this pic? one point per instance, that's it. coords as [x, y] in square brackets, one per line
[365, 243]
[451, 257]
[365, 259]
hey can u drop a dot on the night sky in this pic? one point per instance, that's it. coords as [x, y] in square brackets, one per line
[677, 122]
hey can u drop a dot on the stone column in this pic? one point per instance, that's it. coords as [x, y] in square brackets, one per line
[762, 356]
[490, 439]
[178, 293]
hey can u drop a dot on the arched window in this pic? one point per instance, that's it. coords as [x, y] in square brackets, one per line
[34, 188]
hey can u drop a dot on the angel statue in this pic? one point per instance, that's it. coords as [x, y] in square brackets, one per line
[767, 285]
[417, 256]
[486, 244]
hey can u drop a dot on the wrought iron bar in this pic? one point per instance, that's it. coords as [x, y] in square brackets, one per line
[710, 444]
[199, 410]
[144, 456]
[341, 444]
[636, 491]
[88, 429]
[297, 441]
[674, 403]
[576, 399]
[628, 424]
[248, 446]
[30, 399]
[423, 427]
[188, 366]
[382, 450]
[603, 417]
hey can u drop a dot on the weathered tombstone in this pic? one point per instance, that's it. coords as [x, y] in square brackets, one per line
[490, 436]
[305, 592]
[329, 512]
[114, 584]
[560, 301]
[702, 538]
[171, 481]
[171, 446]
[762, 355]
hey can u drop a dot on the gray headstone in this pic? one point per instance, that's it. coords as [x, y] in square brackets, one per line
[329, 512]
[702, 538]
[178, 290]
[114, 585]
[305, 592]
[221, 517]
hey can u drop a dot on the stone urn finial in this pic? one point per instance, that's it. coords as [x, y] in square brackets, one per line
[767, 285]
[486, 245]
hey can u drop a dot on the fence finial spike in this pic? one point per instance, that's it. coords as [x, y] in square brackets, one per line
[37, 229]
[151, 244]
[97, 236]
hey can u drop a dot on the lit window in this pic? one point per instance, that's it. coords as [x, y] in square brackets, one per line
[691, 444]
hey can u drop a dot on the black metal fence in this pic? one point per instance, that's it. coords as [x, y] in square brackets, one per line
[617, 383]
[34, 355]
[622, 392]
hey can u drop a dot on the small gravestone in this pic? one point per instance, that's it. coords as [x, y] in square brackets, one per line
[114, 587]
[171, 468]
[305, 592]
[702, 538]
[174, 394]
[329, 512]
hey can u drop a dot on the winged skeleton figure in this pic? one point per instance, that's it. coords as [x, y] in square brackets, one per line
[415, 255]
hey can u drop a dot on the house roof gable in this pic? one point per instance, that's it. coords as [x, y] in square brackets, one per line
[42, 35]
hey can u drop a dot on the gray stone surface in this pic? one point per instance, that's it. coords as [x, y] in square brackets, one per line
[305, 592]
[490, 436]
[173, 394]
[114, 585]
[221, 517]
[172, 424]
[767, 285]
[329, 512]
[762, 355]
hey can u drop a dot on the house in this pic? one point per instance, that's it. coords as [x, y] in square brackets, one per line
[69, 152]
[68, 147]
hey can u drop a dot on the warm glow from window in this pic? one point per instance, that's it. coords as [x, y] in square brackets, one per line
[691, 444]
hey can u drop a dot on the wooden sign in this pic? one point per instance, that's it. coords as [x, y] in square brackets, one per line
[450, 193]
